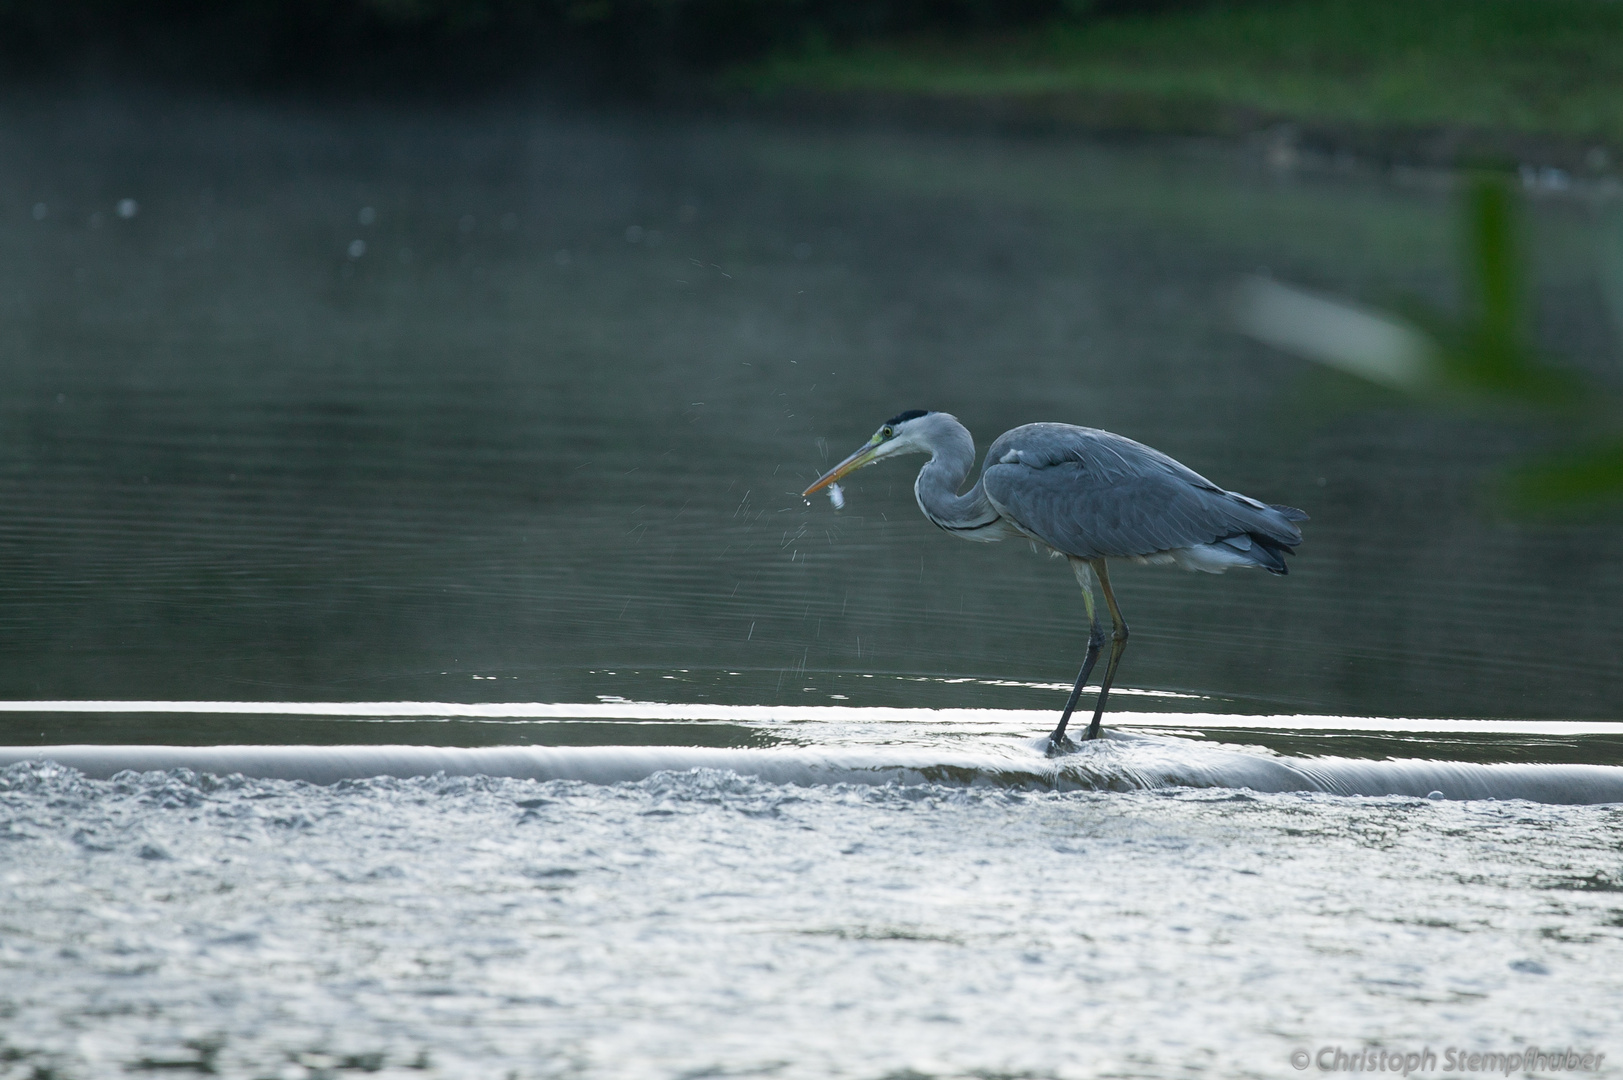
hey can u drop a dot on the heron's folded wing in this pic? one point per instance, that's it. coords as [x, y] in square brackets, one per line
[1093, 494]
[1106, 454]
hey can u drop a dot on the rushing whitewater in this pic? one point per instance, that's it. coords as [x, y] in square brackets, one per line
[870, 745]
[1121, 762]
[703, 923]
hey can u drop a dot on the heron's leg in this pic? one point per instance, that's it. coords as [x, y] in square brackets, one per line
[1096, 639]
[1118, 645]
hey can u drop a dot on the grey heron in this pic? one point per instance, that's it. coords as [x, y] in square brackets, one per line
[1088, 495]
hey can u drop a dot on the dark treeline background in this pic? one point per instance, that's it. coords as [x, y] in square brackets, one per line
[626, 46]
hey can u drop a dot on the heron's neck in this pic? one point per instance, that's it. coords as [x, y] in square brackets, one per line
[952, 455]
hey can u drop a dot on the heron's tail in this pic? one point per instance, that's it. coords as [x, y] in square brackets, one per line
[1264, 533]
[1243, 549]
[1270, 554]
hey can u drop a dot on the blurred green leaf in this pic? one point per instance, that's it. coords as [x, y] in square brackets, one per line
[1494, 259]
[1486, 356]
[1586, 476]
[1609, 264]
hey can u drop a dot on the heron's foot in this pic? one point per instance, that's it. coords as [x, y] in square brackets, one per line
[1060, 744]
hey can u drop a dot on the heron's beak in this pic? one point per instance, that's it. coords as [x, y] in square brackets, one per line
[864, 456]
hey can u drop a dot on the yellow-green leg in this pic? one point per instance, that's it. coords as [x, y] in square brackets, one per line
[1118, 644]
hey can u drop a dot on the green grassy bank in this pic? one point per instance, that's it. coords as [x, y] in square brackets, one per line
[1539, 68]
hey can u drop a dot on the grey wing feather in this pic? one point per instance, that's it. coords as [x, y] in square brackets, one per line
[1093, 494]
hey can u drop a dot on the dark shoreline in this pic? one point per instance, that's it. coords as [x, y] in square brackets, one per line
[1283, 142]
[586, 82]
[1546, 165]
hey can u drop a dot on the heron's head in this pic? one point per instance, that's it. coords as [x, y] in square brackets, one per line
[901, 434]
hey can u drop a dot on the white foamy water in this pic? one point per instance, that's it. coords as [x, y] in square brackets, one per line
[1119, 762]
[867, 895]
[704, 923]
[868, 745]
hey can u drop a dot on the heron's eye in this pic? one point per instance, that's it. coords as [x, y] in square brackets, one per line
[887, 431]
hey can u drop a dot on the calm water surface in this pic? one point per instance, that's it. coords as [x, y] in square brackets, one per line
[510, 405]
[516, 405]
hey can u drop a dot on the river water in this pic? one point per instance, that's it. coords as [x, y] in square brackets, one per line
[419, 660]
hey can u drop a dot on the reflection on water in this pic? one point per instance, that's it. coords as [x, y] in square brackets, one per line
[514, 405]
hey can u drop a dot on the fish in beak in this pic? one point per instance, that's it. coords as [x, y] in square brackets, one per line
[867, 455]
